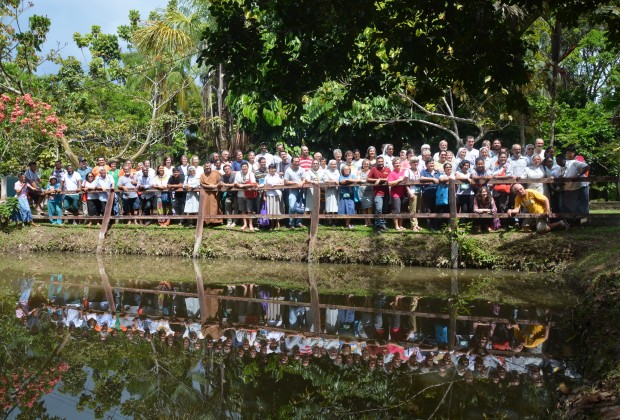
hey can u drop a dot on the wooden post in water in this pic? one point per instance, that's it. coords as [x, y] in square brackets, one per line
[454, 263]
[200, 223]
[105, 222]
[106, 284]
[454, 290]
[201, 291]
[314, 229]
[454, 245]
[314, 221]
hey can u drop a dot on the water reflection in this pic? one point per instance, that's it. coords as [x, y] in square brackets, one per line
[134, 348]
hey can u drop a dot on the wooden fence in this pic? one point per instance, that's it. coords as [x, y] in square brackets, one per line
[315, 216]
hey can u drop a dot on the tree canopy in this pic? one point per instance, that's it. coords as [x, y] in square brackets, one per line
[202, 75]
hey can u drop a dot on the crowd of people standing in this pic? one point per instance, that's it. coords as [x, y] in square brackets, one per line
[351, 183]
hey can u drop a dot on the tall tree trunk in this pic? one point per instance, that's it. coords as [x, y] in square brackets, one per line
[220, 103]
[522, 130]
[556, 37]
[207, 108]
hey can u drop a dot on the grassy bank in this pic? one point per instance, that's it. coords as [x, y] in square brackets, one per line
[579, 252]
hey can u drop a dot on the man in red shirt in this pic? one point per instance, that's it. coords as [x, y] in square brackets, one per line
[379, 175]
[305, 161]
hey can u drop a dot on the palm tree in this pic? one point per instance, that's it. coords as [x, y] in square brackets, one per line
[165, 48]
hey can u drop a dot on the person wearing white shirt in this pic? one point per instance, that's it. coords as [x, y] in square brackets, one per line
[489, 162]
[539, 147]
[472, 153]
[516, 162]
[273, 197]
[575, 198]
[147, 164]
[145, 181]
[184, 165]
[388, 155]
[313, 176]
[197, 167]
[443, 147]
[264, 153]
[72, 182]
[105, 183]
[535, 171]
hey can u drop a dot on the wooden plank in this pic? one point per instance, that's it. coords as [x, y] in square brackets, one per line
[201, 291]
[106, 284]
[106, 220]
[200, 223]
[129, 289]
[321, 305]
[314, 221]
[452, 203]
[314, 228]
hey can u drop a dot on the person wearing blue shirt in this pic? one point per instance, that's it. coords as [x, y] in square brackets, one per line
[54, 200]
[346, 200]
[429, 191]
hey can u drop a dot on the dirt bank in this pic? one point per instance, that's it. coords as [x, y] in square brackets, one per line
[580, 253]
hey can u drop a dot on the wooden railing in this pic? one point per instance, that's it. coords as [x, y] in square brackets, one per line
[315, 216]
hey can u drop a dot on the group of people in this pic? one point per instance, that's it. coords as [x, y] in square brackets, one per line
[351, 183]
[373, 341]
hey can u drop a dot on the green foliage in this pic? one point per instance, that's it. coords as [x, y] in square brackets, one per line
[471, 254]
[7, 208]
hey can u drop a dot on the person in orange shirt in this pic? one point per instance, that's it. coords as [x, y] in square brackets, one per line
[129, 165]
[100, 165]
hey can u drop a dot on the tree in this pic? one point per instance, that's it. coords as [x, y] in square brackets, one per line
[19, 48]
[29, 130]
[277, 55]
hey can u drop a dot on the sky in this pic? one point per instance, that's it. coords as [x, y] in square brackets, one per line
[70, 16]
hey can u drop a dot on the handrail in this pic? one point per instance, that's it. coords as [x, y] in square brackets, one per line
[315, 215]
[308, 184]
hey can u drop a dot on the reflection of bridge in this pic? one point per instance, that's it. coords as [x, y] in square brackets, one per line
[208, 300]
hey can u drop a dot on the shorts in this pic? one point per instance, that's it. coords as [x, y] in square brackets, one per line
[246, 204]
[541, 224]
[129, 204]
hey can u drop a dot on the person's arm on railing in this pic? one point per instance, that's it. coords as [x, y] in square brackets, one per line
[463, 178]
[431, 180]
[396, 181]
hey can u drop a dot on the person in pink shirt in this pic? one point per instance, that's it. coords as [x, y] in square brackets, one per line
[398, 192]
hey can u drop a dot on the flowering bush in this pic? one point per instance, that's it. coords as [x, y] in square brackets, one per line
[28, 129]
[24, 386]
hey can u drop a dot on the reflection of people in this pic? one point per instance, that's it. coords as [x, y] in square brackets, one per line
[531, 337]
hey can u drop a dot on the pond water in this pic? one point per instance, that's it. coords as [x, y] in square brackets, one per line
[122, 337]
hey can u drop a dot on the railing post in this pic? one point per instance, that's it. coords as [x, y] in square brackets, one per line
[200, 222]
[3, 187]
[314, 229]
[454, 245]
[106, 221]
[314, 220]
[201, 292]
[106, 284]
[454, 290]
